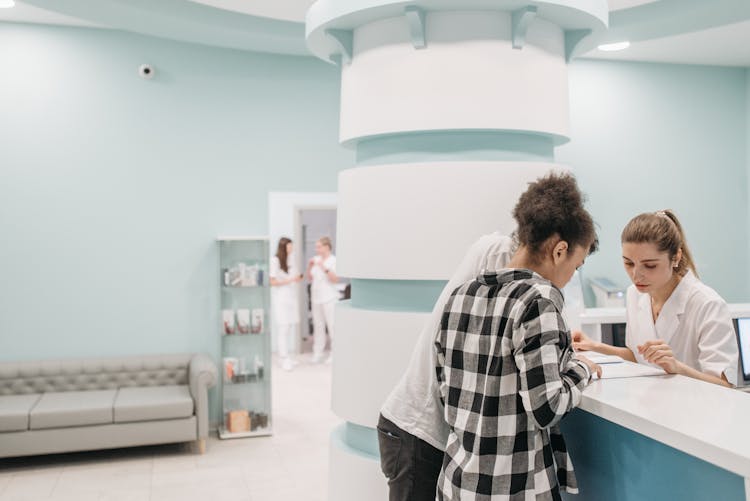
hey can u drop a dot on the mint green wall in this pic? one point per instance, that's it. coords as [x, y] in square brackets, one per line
[113, 188]
[653, 136]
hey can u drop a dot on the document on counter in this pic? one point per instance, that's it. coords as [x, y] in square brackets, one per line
[601, 358]
[629, 369]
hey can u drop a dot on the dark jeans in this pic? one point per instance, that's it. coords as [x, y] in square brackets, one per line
[411, 465]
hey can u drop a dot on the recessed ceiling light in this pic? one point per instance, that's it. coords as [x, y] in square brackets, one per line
[611, 47]
[7, 4]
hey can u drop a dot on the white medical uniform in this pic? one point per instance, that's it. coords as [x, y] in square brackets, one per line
[284, 305]
[414, 405]
[324, 295]
[695, 322]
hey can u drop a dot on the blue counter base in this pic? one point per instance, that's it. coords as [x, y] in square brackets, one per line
[613, 463]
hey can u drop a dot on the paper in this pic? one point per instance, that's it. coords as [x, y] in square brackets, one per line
[601, 358]
[629, 369]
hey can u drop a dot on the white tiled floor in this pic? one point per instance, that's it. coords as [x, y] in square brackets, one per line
[292, 465]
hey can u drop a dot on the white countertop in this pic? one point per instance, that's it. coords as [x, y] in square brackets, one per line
[701, 419]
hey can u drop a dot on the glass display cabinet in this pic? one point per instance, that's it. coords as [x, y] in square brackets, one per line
[245, 337]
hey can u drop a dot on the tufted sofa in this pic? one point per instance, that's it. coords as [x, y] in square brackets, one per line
[72, 405]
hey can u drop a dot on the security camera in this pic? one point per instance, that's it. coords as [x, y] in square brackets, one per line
[146, 71]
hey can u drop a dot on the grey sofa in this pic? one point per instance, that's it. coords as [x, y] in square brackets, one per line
[73, 405]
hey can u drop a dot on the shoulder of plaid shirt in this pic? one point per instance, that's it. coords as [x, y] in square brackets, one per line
[546, 377]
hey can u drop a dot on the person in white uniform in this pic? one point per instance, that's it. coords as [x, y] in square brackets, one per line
[284, 279]
[674, 321]
[321, 271]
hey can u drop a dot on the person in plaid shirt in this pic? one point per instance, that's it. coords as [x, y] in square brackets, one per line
[505, 366]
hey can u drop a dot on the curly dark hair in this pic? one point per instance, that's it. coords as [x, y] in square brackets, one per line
[553, 205]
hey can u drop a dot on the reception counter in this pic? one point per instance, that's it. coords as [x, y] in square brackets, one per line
[660, 438]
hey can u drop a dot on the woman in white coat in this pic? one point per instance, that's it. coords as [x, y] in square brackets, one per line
[284, 279]
[674, 320]
[321, 271]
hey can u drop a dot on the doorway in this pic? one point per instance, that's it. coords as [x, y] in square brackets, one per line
[312, 223]
[284, 220]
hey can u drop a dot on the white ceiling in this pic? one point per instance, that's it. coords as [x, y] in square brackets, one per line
[727, 45]
[626, 4]
[25, 13]
[286, 10]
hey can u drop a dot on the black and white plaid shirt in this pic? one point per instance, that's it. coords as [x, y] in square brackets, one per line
[507, 376]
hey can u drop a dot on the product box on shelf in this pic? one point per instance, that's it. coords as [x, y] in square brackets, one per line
[238, 421]
[243, 275]
[243, 321]
[256, 326]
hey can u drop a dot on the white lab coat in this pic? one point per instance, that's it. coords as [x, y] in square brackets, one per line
[695, 322]
[284, 297]
[322, 290]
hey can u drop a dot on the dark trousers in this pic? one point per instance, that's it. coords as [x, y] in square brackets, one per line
[411, 465]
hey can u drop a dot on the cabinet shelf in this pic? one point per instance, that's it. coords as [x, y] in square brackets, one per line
[261, 432]
[252, 379]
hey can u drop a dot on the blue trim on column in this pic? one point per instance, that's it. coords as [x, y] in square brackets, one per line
[522, 19]
[574, 38]
[615, 463]
[351, 14]
[396, 295]
[459, 145]
[344, 41]
[356, 439]
[416, 18]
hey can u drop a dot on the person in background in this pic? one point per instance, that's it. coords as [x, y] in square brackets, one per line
[411, 430]
[321, 271]
[506, 368]
[673, 320]
[284, 279]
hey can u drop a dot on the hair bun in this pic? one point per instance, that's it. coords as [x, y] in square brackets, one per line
[553, 205]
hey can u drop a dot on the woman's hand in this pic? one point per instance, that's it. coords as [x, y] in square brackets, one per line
[660, 353]
[593, 368]
[298, 278]
[581, 342]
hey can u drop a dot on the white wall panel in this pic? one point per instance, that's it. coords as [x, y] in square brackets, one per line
[415, 221]
[468, 77]
[372, 351]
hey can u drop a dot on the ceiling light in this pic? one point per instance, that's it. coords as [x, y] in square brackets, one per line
[7, 4]
[611, 47]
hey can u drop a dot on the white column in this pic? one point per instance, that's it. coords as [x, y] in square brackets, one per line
[453, 107]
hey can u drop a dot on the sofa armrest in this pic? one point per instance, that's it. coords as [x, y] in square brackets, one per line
[202, 374]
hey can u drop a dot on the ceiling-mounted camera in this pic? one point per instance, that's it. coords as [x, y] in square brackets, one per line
[146, 71]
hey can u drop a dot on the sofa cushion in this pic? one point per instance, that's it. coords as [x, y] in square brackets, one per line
[72, 408]
[14, 411]
[156, 402]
